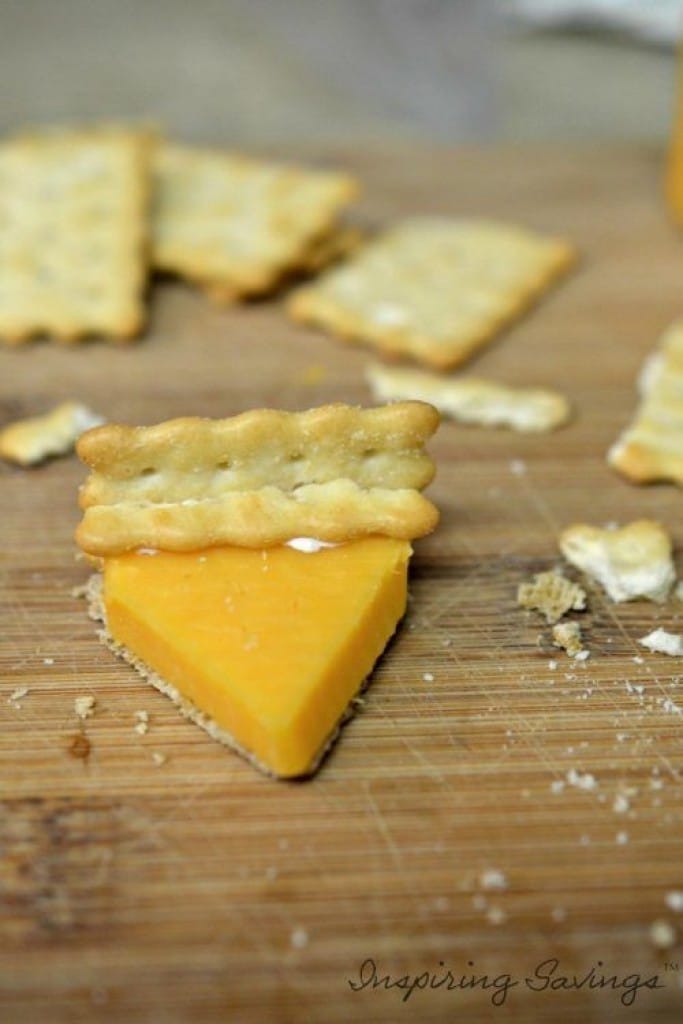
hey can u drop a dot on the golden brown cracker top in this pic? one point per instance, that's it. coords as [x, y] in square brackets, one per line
[221, 217]
[73, 233]
[260, 478]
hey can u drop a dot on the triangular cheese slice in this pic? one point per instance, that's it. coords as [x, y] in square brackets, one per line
[264, 648]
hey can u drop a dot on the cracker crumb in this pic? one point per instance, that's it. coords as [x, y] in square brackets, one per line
[620, 804]
[84, 707]
[557, 786]
[551, 594]
[552, 664]
[428, 677]
[299, 938]
[662, 934]
[159, 758]
[48, 661]
[674, 900]
[18, 694]
[581, 781]
[663, 643]
[496, 915]
[517, 467]
[142, 722]
[621, 838]
[568, 636]
[493, 878]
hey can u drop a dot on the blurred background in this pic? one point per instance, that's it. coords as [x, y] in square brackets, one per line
[272, 71]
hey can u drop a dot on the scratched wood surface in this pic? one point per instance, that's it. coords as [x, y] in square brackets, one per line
[199, 890]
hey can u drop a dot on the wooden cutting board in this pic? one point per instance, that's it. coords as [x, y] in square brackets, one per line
[200, 890]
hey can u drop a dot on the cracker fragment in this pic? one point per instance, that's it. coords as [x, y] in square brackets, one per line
[552, 594]
[433, 289]
[226, 220]
[629, 562]
[567, 635]
[651, 447]
[663, 642]
[30, 441]
[73, 234]
[258, 479]
[473, 400]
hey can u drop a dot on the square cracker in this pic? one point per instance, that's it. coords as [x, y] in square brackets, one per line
[225, 219]
[434, 289]
[73, 234]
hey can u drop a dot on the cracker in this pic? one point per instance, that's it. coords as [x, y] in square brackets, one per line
[651, 448]
[434, 289]
[631, 562]
[225, 220]
[73, 234]
[261, 478]
[551, 594]
[323, 252]
[472, 400]
[30, 441]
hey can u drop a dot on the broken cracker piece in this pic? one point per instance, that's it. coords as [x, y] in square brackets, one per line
[651, 448]
[236, 225]
[629, 562]
[568, 636]
[73, 211]
[662, 642]
[471, 400]
[552, 594]
[434, 289]
[30, 441]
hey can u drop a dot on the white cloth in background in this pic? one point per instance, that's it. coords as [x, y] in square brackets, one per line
[654, 21]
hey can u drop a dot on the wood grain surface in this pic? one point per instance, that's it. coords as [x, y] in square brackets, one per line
[198, 890]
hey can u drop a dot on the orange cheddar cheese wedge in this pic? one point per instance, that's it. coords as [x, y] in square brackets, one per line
[265, 648]
[254, 568]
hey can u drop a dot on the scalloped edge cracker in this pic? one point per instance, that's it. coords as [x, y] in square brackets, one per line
[237, 225]
[433, 289]
[651, 448]
[472, 400]
[335, 473]
[73, 245]
[629, 562]
[30, 441]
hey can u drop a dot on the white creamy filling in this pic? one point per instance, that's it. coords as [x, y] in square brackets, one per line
[309, 545]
